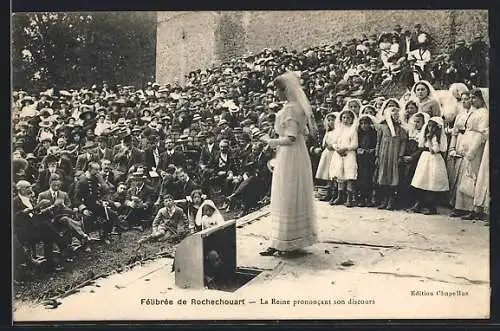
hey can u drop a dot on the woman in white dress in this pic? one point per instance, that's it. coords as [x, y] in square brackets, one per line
[482, 191]
[454, 161]
[471, 148]
[292, 208]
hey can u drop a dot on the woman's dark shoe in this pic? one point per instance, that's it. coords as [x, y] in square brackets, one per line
[430, 211]
[416, 208]
[382, 204]
[470, 216]
[456, 213]
[334, 196]
[390, 203]
[362, 202]
[326, 197]
[340, 199]
[268, 252]
[369, 203]
[350, 200]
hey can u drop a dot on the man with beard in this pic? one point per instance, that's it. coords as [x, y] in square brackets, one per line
[32, 225]
[53, 167]
[107, 174]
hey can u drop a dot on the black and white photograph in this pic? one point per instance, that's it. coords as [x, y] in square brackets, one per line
[250, 165]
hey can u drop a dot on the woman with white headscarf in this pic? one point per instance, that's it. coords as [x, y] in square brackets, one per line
[430, 176]
[424, 95]
[292, 208]
[472, 147]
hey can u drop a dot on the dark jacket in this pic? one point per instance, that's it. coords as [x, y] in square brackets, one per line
[127, 158]
[177, 158]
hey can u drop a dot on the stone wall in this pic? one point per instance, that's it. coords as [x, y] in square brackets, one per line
[213, 37]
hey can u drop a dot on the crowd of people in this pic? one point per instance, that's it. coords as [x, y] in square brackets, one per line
[112, 158]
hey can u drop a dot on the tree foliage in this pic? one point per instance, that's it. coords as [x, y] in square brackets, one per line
[72, 50]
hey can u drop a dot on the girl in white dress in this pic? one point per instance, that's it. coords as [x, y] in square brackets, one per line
[343, 166]
[323, 170]
[208, 215]
[430, 175]
[292, 209]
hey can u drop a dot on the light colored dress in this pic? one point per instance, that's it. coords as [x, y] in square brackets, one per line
[430, 174]
[454, 164]
[429, 106]
[471, 147]
[292, 209]
[345, 167]
[326, 156]
[482, 192]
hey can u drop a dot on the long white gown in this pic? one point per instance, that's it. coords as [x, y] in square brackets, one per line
[292, 208]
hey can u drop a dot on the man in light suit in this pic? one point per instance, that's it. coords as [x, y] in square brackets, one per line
[64, 217]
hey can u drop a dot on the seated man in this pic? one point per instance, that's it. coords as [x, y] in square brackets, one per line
[191, 204]
[118, 206]
[32, 225]
[90, 197]
[64, 216]
[225, 168]
[184, 185]
[140, 197]
[170, 221]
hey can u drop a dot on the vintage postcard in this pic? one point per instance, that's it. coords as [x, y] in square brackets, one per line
[237, 165]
